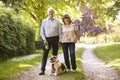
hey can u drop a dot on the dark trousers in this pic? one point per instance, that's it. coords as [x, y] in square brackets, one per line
[52, 43]
[69, 48]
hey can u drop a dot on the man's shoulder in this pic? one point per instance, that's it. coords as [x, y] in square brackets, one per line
[45, 19]
[56, 20]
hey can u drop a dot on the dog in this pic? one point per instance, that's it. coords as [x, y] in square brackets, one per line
[56, 66]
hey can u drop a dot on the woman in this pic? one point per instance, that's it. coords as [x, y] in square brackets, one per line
[68, 37]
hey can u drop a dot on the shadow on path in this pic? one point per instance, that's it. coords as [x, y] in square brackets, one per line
[33, 73]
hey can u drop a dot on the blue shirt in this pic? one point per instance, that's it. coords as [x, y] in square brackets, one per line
[50, 28]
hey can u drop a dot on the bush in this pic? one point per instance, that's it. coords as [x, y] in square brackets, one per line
[39, 45]
[16, 36]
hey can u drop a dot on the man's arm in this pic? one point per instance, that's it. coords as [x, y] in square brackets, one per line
[42, 32]
[59, 29]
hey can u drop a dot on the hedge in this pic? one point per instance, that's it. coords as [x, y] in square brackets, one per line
[16, 36]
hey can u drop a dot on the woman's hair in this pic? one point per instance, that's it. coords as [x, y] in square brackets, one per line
[66, 16]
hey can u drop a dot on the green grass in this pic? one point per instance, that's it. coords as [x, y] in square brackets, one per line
[110, 54]
[9, 68]
[75, 75]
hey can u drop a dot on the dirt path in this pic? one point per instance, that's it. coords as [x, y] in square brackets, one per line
[95, 69]
[33, 73]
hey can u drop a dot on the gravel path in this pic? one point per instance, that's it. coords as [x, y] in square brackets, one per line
[33, 73]
[95, 69]
[28, 57]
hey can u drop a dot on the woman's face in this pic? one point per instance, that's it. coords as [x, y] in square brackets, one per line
[67, 21]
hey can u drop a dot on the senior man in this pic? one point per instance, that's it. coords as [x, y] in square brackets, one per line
[50, 29]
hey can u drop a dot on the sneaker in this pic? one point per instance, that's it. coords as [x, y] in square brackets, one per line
[73, 70]
[68, 70]
[42, 73]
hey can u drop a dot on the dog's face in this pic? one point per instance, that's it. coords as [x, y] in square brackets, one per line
[56, 66]
[53, 59]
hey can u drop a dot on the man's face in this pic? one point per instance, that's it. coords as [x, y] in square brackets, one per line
[51, 13]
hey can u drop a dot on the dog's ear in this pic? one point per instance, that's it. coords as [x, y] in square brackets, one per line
[51, 58]
[56, 57]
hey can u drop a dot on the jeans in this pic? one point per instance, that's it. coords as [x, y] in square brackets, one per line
[69, 48]
[52, 43]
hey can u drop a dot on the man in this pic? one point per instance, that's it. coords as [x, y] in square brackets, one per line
[50, 35]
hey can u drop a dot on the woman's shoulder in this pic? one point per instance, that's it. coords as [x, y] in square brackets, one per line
[72, 25]
[63, 25]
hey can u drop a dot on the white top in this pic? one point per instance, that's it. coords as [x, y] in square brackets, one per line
[50, 28]
[68, 33]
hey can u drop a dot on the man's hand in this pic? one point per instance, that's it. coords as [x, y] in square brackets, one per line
[59, 44]
[45, 42]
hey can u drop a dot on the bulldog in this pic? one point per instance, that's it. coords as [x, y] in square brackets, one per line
[56, 66]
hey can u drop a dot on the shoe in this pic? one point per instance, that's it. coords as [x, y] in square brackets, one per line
[73, 70]
[68, 70]
[42, 73]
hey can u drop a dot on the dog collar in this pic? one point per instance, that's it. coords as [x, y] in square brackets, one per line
[57, 61]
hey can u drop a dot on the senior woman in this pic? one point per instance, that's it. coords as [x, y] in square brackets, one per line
[68, 39]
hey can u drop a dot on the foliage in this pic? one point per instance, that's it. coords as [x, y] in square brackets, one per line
[13, 3]
[110, 37]
[114, 9]
[88, 25]
[101, 13]
[109, 8]
[16, 36]
[37, 9]
[39, 44]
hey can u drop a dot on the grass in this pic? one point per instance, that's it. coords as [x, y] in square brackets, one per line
[75, 75]
[9, 68]
[110, 54]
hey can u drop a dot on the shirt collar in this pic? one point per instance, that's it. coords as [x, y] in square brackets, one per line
[50, 18]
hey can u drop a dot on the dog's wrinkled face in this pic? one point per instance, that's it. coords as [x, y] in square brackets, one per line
[53, 59]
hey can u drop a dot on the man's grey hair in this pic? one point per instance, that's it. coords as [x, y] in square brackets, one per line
[50, 9]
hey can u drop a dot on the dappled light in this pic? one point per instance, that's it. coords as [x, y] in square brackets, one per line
[79, 59]
[97, 29]
[25, 65]
[114, 63]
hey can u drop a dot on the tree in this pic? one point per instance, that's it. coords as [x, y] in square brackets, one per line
[36, 9]
[114, 9]
[16, 36]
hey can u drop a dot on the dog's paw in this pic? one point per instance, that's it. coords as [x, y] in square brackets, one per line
[50, 74]
[56, 74]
